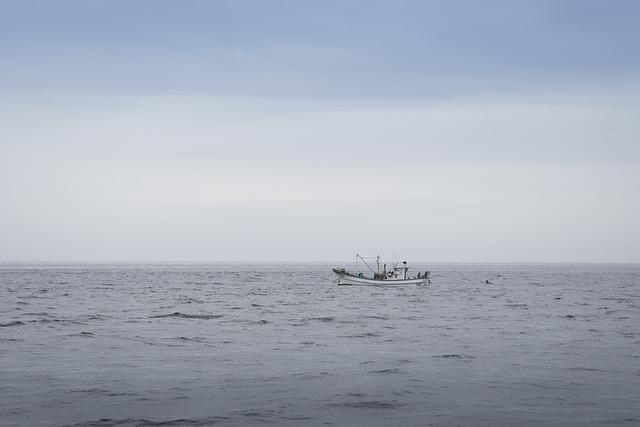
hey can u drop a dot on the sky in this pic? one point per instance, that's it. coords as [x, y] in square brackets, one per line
[457, 131]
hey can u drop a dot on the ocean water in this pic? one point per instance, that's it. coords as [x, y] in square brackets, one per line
[197, 345]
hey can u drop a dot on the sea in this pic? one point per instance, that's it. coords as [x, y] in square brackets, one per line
[281, 344]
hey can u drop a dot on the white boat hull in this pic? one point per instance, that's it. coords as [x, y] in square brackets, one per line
[348, 279]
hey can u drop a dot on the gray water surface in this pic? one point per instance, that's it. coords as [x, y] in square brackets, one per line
[154, 345]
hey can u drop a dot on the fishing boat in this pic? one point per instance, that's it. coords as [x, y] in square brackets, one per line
[398, 274]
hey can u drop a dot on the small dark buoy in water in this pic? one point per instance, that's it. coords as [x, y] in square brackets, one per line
[487, 282]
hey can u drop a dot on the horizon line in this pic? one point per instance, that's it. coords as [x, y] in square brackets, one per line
[253, 262]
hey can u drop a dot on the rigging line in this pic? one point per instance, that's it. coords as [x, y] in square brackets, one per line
[365, 263]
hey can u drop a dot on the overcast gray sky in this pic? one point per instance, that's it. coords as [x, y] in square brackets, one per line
[276, 130]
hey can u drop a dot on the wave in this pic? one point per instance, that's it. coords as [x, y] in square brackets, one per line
[452, 356]
[520, 305]
[369, 404]
[257, 413]
[581, 368]
[386, 371]
[141, 422]
[14, 323]
[364, 335]
[322, 319]
[376, 317]
[189, 316]
[83, 334]
[194, 339]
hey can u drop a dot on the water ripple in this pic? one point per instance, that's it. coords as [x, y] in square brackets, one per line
[177, 314]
